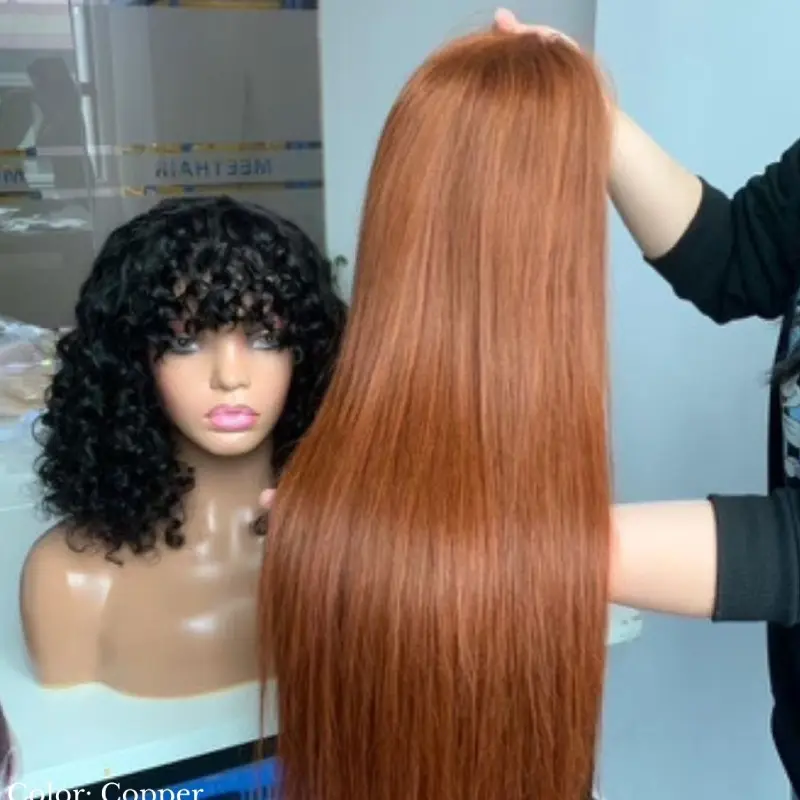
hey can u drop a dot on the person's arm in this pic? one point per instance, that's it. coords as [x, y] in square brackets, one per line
[731, 257]
[728, 558]
[656, 196]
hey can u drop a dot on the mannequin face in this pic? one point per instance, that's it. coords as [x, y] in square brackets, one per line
[224, 390]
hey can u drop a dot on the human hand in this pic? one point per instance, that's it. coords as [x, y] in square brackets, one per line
[505, 21]
[265, 499]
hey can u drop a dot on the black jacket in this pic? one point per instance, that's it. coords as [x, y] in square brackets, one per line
[740, 257]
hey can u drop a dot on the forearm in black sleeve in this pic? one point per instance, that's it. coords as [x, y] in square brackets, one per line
[758, 557]
[740, 256]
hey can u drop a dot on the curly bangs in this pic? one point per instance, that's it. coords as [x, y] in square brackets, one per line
[108, 466]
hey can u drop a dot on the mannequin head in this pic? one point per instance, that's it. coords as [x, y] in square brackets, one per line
[206, 326]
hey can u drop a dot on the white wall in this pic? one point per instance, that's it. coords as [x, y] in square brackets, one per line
[688, 706]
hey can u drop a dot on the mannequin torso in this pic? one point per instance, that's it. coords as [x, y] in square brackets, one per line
[167, 624]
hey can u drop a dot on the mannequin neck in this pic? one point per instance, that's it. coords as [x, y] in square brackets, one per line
[214, 474]
[224, 501]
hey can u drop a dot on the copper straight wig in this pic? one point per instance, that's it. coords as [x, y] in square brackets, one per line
[435, 584]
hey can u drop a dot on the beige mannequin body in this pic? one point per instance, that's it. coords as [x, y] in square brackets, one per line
[173, 623]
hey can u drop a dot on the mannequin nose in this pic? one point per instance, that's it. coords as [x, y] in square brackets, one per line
[230, 368]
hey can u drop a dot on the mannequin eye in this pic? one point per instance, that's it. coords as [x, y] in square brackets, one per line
[265, 340]
[183, 343]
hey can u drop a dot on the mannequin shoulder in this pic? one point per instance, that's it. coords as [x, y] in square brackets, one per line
[63, 592]
[57, 558]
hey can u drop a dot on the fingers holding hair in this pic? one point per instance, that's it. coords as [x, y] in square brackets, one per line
[265, 499]
[506, 21]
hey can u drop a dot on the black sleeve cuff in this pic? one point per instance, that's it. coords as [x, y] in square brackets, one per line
[687, 267]
[758, 558]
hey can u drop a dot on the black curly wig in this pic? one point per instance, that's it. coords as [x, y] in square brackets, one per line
[108, 466]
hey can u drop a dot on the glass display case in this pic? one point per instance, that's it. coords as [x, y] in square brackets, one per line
[46, 176]
[106, 107]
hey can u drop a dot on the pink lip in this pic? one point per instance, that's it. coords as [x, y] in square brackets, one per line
[232, 418]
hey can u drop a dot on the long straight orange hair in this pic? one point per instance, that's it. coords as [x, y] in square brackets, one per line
[435, 584]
